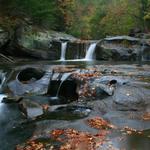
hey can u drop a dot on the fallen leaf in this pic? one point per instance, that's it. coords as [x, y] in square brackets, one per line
[146, 116]
[99, 123]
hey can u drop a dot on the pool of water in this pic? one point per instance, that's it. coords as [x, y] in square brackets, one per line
[11, 130]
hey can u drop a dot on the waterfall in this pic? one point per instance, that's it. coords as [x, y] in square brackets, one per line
[63, 51]
[63, 78]
[90, 52]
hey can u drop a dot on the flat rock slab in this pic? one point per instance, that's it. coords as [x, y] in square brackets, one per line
[131, 96]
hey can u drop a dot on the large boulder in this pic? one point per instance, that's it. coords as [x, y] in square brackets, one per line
[118, 48]
[132, 97]
[34, 42]
[29, 81]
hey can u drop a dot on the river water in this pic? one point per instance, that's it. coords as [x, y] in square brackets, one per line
[15, 130]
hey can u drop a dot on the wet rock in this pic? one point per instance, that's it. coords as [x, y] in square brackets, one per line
[64, 112]
[101, 89]
[130, 119]
[81, 111]
[30, 81]
[128, 38]
[30, 109]
[11, 126]
[102, 53]
[29, 75]
[132, 96]
[77, 49]
[121, 47]
[30, 41]
[119, 80]
[104, 86]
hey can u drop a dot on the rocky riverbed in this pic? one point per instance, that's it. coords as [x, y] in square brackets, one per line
[75, 107]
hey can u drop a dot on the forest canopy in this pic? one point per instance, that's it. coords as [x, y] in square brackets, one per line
[87, 19]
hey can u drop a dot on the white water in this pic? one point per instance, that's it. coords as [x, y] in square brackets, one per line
[90, 52]
[63, 78]
[63, 51]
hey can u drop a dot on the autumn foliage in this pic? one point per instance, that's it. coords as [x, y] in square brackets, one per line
[86, 19]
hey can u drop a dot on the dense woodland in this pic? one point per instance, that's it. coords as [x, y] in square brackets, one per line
[87, 19]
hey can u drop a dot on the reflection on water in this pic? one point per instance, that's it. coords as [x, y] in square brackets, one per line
[82, 62]
[77, 62]
[12, 132]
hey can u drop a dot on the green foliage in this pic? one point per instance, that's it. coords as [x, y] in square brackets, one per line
[86, 19]
[41, 12]
[117, 19]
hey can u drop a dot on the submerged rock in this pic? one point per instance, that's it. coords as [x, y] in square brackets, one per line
[65, 112]
[81, 111]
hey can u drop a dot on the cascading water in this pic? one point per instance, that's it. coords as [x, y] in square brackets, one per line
[63, 78]
[90, 52]
[63, 51]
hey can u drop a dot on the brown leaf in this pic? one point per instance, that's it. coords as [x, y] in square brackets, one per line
[99, 123]
[146, 116]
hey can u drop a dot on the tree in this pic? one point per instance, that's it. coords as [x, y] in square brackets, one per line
[41, 12]
[113, 18]
[145, 14]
